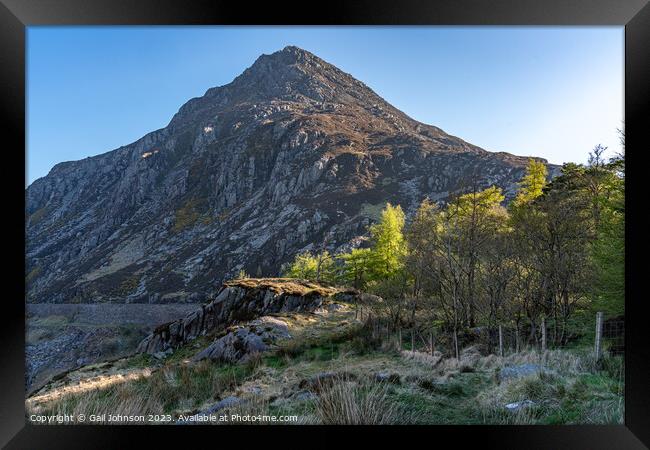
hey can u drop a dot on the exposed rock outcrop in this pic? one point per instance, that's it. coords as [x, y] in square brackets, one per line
[240, 301]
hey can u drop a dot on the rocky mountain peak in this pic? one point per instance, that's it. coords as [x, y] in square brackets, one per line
[293, 155]
[290, 75]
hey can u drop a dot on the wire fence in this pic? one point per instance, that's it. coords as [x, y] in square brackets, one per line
[606, 333]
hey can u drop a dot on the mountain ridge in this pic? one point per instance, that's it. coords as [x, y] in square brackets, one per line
[294, 154]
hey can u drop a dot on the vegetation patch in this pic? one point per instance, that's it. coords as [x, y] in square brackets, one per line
[287, 286]
[186, 216]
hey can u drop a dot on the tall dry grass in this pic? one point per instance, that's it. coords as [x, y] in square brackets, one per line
[350, 403]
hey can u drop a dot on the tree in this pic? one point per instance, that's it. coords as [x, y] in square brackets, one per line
[553, 233]
[421, 242]
[325, 269]
[473, 222]
[356, 266]
[303, 266]
[608, 249]
[319, 267]
[532, 184]
[388, 243]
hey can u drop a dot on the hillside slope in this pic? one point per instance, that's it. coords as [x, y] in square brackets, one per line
[293, 154]
[328, 366]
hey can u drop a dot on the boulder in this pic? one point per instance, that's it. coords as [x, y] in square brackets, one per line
[238, 345]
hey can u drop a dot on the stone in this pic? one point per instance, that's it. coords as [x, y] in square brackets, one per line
[516, 406]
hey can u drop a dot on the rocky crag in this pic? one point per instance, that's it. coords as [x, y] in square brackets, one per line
[292, 155]
[239, 301]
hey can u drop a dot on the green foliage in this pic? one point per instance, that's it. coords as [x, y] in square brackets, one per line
[608, 250]
[318, 267]
[555, 254]
[242, 275]
[356, 267]
[532, 184]
[389, 244]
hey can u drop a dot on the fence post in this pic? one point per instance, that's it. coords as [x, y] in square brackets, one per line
[599, 334]
[543, 334]
[412, 339]
[431, 342]
[517, 345]
[500, 341]
[399, 338]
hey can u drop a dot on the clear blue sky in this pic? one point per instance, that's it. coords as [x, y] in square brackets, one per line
[553, 92]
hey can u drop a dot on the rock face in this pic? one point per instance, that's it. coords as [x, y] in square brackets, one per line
[257, 336]
[292, 155]
[241, 301]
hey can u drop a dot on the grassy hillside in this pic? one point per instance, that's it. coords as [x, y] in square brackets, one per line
[332, 370]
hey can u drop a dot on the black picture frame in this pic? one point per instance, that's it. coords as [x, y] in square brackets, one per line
[15, 15]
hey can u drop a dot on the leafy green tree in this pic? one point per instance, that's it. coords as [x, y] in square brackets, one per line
[421, 241]
[315, 267]
[304, 266]
[325, 268]
[532, 184]
[356, 267]
[608, 249]
[471, 222]
[389, 245]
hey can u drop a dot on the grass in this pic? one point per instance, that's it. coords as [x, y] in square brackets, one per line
[168, 389]
[575, 393]
[349, 403]
[420, 388]
[289, 286]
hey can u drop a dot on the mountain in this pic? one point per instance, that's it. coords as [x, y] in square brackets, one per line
[293, 154]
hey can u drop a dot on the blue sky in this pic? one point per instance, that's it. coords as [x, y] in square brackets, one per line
[553, 92]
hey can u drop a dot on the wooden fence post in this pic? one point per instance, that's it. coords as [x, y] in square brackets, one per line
[412, 339]
[399, 338]
[500, 341]
[599, 334]
[543, 334]
[517, 345]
